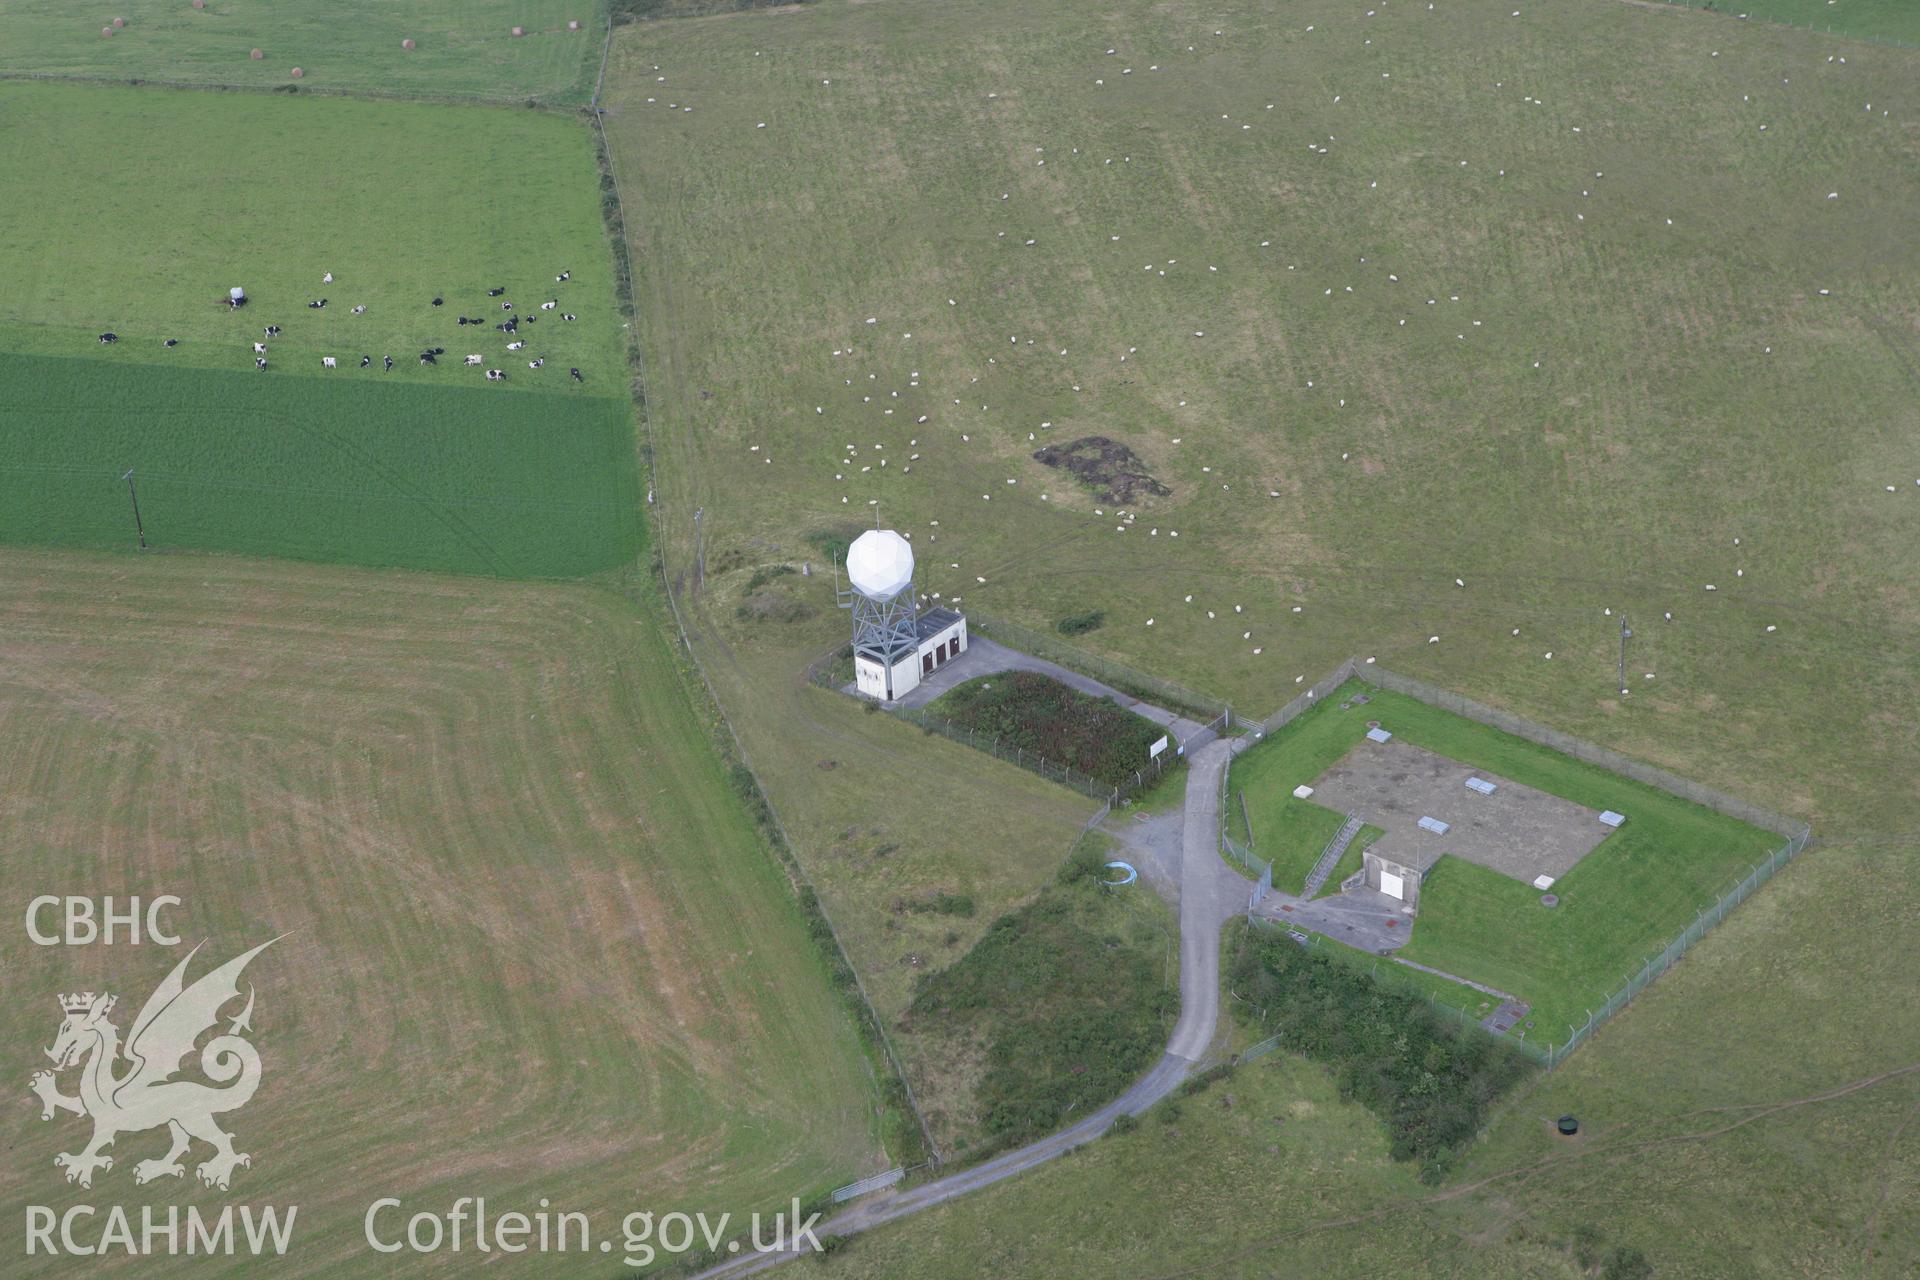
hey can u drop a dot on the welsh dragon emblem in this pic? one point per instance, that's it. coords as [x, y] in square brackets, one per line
[145, 1095]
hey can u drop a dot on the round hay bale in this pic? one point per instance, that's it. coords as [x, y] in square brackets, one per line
[106, 31]
[519, 31]
[256, 55]
[118, 23]
[573, 25]
[407, 45]
[297, 73]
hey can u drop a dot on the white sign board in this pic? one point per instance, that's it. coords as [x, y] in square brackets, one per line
[1154, 750]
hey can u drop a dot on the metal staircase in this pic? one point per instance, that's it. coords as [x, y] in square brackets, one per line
[1330, 856]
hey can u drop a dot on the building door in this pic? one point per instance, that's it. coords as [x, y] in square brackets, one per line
[1393, 886]
[926, 664]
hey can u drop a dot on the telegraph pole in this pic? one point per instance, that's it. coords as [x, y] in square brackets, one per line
[133, 495]
[1626, 633]
[699, 550]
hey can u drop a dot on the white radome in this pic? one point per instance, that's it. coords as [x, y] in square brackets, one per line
[880, 564]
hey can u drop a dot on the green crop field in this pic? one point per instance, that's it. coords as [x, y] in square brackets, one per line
[1691, 368]
[533, 946]
[1620, 903]
[137, 209]
[147, 204]
[466, 479]
[462, 48]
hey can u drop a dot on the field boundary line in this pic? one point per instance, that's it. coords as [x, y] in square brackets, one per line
[1709, 7]
[304, 90]
[658, 564]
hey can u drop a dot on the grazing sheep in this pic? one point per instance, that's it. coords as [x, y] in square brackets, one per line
[317, 305]
[473, 359]
[327, 362]
[563, 276]
[569, 316]
[273, 331]
[109, 337]
[365, 361]
[171, 342]
[259, 362]
[259, 348]
[360, 310]
[506, 306]
[535, 364]
[494, 293]
[389, 360]
[496, 375]
[548, 306]
[515, 346]
[426, 357]
[327, 278]
[438, 301]
[576, 375]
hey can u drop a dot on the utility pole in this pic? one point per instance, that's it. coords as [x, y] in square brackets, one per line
[1626, 633]
[699, 551]
[133, 496]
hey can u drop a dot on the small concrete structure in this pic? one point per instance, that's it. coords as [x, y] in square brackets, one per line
[1434, 825]
[1395, 880]
[940, 636]
[1612, 819]
[1481, 785]
[1302, 791]
[1379, 735]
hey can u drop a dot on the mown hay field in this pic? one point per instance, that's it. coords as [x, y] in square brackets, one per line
[533, 947]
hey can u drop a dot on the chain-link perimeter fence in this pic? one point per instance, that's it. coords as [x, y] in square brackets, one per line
[1567, 744]
[1796, 833]
[1285, 715]
[1553, 1055]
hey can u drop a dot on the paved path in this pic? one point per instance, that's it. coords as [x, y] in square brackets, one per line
[1364, 918]
[983, 657]
[1208, 898]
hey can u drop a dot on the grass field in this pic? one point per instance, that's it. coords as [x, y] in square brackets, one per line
[466, 479]
[140, 208]
[535, 948]
[1620, 904]
[1694, 387]
[148, 203]
[463, 48]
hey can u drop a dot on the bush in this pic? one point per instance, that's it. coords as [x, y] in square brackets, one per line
[1037, 713]
[1428, 1078]
[940, 904]
[1078, 624]
[1625, 1263]
[1069, 1009]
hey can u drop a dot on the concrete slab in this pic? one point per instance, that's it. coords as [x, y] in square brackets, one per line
[1517, 831]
